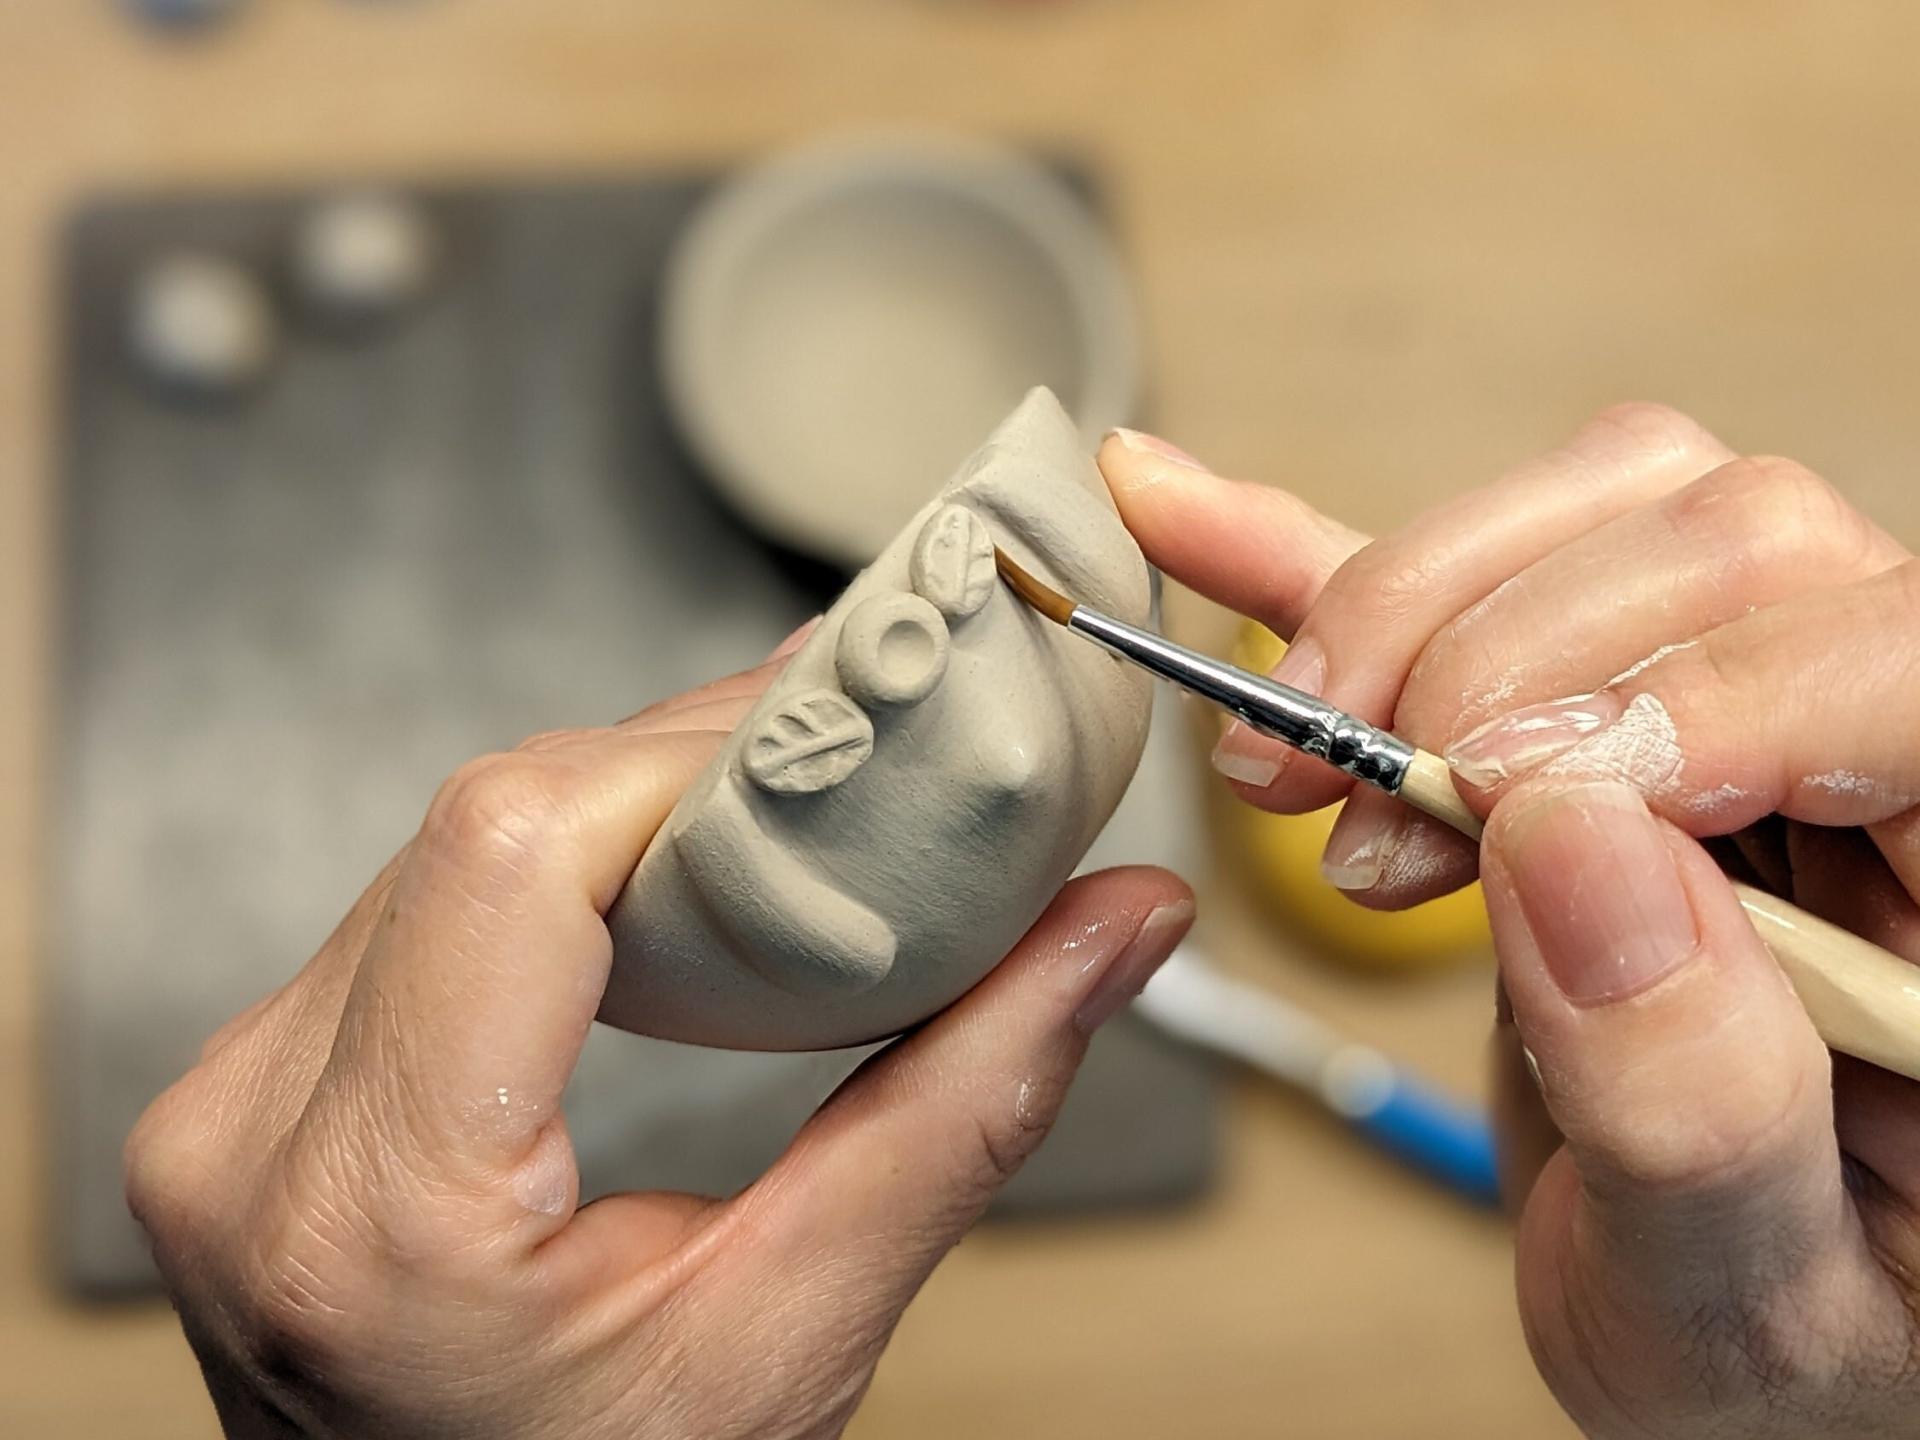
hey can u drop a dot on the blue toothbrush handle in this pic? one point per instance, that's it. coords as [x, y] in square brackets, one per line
[1448, 1140]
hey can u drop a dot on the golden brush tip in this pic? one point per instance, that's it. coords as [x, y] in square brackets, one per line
[1049, 602]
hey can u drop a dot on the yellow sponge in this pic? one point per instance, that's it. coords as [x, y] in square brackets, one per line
[1282, 852]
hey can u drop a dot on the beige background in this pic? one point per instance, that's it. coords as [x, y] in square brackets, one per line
[1384, 249]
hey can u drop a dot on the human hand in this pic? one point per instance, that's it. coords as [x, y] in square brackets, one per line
[1721, 1223]
[365, 1202]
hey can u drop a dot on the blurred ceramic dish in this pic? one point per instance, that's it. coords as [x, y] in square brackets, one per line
[841, 323]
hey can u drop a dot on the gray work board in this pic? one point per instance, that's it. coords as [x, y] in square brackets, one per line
[285, 618]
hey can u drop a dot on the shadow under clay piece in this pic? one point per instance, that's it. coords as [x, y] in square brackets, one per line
[922, 778]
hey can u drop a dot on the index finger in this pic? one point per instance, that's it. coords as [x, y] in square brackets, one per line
[1255, 549]
[481, 976]
[1370, 616]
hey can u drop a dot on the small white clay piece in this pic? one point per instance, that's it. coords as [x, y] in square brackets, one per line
[361, 257]
[201, 326]
[906, 798]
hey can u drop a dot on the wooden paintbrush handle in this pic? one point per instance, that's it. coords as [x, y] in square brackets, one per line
[1428, 787]
[1863, 1000]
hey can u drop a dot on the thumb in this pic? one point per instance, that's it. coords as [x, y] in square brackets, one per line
[902, 1160]
[1692, 1090]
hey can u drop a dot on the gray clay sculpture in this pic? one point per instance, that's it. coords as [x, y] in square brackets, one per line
[903, 802]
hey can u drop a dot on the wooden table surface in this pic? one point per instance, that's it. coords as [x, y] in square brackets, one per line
[1383, 250]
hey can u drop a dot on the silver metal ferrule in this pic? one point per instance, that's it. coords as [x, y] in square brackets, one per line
[1310, 725]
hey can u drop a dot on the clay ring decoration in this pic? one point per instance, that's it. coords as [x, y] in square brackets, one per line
[892, 650]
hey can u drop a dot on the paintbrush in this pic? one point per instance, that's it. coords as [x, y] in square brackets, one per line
[1863, 1000]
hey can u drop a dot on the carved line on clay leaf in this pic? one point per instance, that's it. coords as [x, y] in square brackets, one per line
[809, 744]
[952, 562]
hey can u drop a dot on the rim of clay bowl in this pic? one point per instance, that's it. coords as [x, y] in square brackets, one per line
[729, 229]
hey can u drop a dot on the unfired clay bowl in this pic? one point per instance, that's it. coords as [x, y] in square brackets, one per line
[845, 321]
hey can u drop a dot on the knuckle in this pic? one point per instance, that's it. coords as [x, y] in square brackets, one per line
[1384, 585]
[1002, 1150]
[1684, 1165]
[1404, 589]
[1880, 615]
[1658, 428]
[1733, 1150]
[1765, 497]
[1904, 582]
[1464, 672]
[1883, 609]
[1715, 676]
[1765, 514]
[1007, 1137]
[499, 804]
[221, 1039]
[164, 1165]
[228, 1036]
[547, 740]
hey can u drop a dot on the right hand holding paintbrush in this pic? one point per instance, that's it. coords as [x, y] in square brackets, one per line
[1721, 1222]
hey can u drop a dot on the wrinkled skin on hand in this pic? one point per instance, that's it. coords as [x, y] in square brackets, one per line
[366, 1206]
[1636, 649]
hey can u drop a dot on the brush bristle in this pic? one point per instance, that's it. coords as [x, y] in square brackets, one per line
[1049, 602]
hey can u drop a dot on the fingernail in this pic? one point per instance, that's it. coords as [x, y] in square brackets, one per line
[1244, 754]
[1522, 739]
[1127, 974]
[1231, 759]
[1360, 846]
[798, 638]
[1142, 443]
[1599, 890]
[1304, 666]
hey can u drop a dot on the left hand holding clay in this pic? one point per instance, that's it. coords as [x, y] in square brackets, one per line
[1721, 1228]
[365, 1202]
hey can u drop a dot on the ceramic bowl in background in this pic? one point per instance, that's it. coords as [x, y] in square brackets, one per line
[843, 323]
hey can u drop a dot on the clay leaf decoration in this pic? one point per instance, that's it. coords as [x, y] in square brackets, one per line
[809, 744]
[952, 563]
